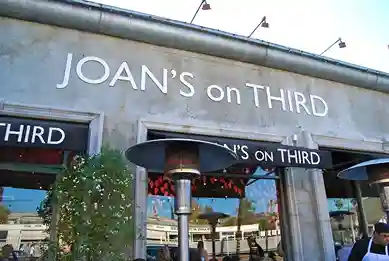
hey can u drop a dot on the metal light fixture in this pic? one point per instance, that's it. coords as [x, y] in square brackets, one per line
[204, 6]
[181, 160]
[263, 24]
[341, 45]
[375, 172]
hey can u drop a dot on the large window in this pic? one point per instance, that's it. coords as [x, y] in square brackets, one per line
[354, 207]
[32, 153]
[371, 205]
[247, 193]
[25, 176]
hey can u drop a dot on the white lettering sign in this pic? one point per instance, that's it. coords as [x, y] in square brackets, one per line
[32, 134]
[297, 156]
[281, 156]
[286, 100]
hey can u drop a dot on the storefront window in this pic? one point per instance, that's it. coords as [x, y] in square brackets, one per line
[342, 204]
[32, 154]
[25, 176]
[248, 193]
[18, 216]
[255, 213]
[344, 220]
[371, 206]
[343, 209]
[349, 222]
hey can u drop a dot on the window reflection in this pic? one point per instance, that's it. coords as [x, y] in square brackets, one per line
[20, 225]
[372, 206]
[259, 217]
[25, 176]
[341, 199]
[344, 220]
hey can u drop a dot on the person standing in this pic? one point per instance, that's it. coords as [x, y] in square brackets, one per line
[256, 251]
[202, 252]
[374, 248]
[164, 254]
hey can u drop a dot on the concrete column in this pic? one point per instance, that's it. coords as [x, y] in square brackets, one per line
[140, 195]
[307, 217]
[140, 213]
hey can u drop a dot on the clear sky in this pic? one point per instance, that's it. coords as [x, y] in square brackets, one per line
[309, 25]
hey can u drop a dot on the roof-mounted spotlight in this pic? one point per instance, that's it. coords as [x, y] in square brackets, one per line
[204, 6]
[341, 44]
[263, 24]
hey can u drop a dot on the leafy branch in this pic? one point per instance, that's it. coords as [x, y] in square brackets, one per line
[95, 207]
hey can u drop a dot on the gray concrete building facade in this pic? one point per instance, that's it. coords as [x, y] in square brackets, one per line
[125, 73]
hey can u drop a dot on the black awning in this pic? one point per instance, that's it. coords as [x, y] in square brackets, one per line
[265, 154]
[26, 132]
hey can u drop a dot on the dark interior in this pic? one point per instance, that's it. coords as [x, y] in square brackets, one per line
[23, 166]
[340, 188]
[26, 180]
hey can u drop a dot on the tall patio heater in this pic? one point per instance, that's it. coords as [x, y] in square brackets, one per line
[181, 160]
[213, 219]
[375, 172]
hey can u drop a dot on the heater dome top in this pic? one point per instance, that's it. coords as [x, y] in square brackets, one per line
[360, 170]
[212, 215]
[152, 154]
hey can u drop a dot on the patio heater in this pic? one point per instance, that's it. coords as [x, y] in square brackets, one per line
[375, 172]
[213, 220]
[181, 160]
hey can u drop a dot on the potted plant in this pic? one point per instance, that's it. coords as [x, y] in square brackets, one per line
[89, 209]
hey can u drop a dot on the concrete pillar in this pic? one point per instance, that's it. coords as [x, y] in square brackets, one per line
[307, 209]
[140, 213]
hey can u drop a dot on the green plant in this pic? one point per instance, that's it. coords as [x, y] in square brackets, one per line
[4, 213]
[94, 200]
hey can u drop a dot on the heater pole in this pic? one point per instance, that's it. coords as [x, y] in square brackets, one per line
[183, 209]
[213, 227]
[179, 160]
[361, 218]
